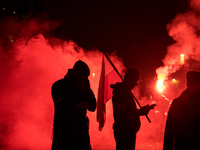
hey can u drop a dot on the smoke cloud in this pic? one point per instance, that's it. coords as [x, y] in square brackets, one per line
[183, 55]
[184, 29]
[31, 60]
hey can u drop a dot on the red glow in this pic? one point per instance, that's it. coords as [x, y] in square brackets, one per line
[182, 59]
[160, 85]
[93, 75]
[28, 74]
[30, 62]
[160, 82]
[27, 107]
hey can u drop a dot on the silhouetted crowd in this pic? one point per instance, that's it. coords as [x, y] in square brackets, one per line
[72, 97]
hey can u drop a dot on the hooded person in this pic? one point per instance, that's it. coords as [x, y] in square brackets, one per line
[182, 129]
[126, 115]
[72, 98]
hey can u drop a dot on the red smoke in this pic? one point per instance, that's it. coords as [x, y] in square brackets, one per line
[30, 63]
[31, 60]
[184, 30]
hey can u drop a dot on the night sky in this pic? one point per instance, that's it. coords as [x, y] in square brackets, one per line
[135, 30]
[32, 57]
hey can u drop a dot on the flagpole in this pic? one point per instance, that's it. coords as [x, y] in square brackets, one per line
[113, 65]
[122, 80]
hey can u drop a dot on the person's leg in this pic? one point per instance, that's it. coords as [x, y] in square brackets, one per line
[125, 141]
[82, 140]
[60, 140]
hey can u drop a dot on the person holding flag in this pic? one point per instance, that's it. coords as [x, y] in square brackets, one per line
[126, 115]
[108, 76]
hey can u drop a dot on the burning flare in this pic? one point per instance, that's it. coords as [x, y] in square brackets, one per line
[160, 82]
[182, 59]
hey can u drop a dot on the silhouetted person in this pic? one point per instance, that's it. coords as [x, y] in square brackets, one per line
[182, 131]
[126, 115]
[72, 98]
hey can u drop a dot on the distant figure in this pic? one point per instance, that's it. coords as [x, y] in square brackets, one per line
[126, 115]
[182, 131]
[72, 98]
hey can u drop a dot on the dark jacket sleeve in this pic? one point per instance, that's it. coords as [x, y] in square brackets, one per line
[90, 98]
[170, 128]
[58, 91]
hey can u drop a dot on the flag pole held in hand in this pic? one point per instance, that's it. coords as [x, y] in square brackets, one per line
[122, 80]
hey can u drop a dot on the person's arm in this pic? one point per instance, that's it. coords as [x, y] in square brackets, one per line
[145, 109]
[88, 100]
[82, 105]
[119, 105]
[58, 95]
[169, 130]
[58, 102]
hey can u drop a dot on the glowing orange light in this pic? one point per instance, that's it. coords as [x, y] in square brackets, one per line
[93, 75]
[182, 59]
[174, 81]
[160, 82]
[160, 85]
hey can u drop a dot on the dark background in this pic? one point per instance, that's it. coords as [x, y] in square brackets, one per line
[135, 30]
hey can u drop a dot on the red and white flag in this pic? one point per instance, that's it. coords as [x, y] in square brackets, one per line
[108, 76]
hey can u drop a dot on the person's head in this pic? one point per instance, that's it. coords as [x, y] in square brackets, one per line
[81, 70]
[193, 80]
[132, 77]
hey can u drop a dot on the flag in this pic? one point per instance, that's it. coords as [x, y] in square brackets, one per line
[108, 76]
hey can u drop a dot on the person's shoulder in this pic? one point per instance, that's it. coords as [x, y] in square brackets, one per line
[180, 99]
[58, 82]
[117, 85]
[175, 101]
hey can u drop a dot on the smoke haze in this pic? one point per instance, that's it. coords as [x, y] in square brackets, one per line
[31, 60]
[184, 29]
[30, 63]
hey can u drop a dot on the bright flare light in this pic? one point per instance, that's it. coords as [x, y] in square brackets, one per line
[182, 59]
[93, 75]
[160, 85]
[160, 82]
